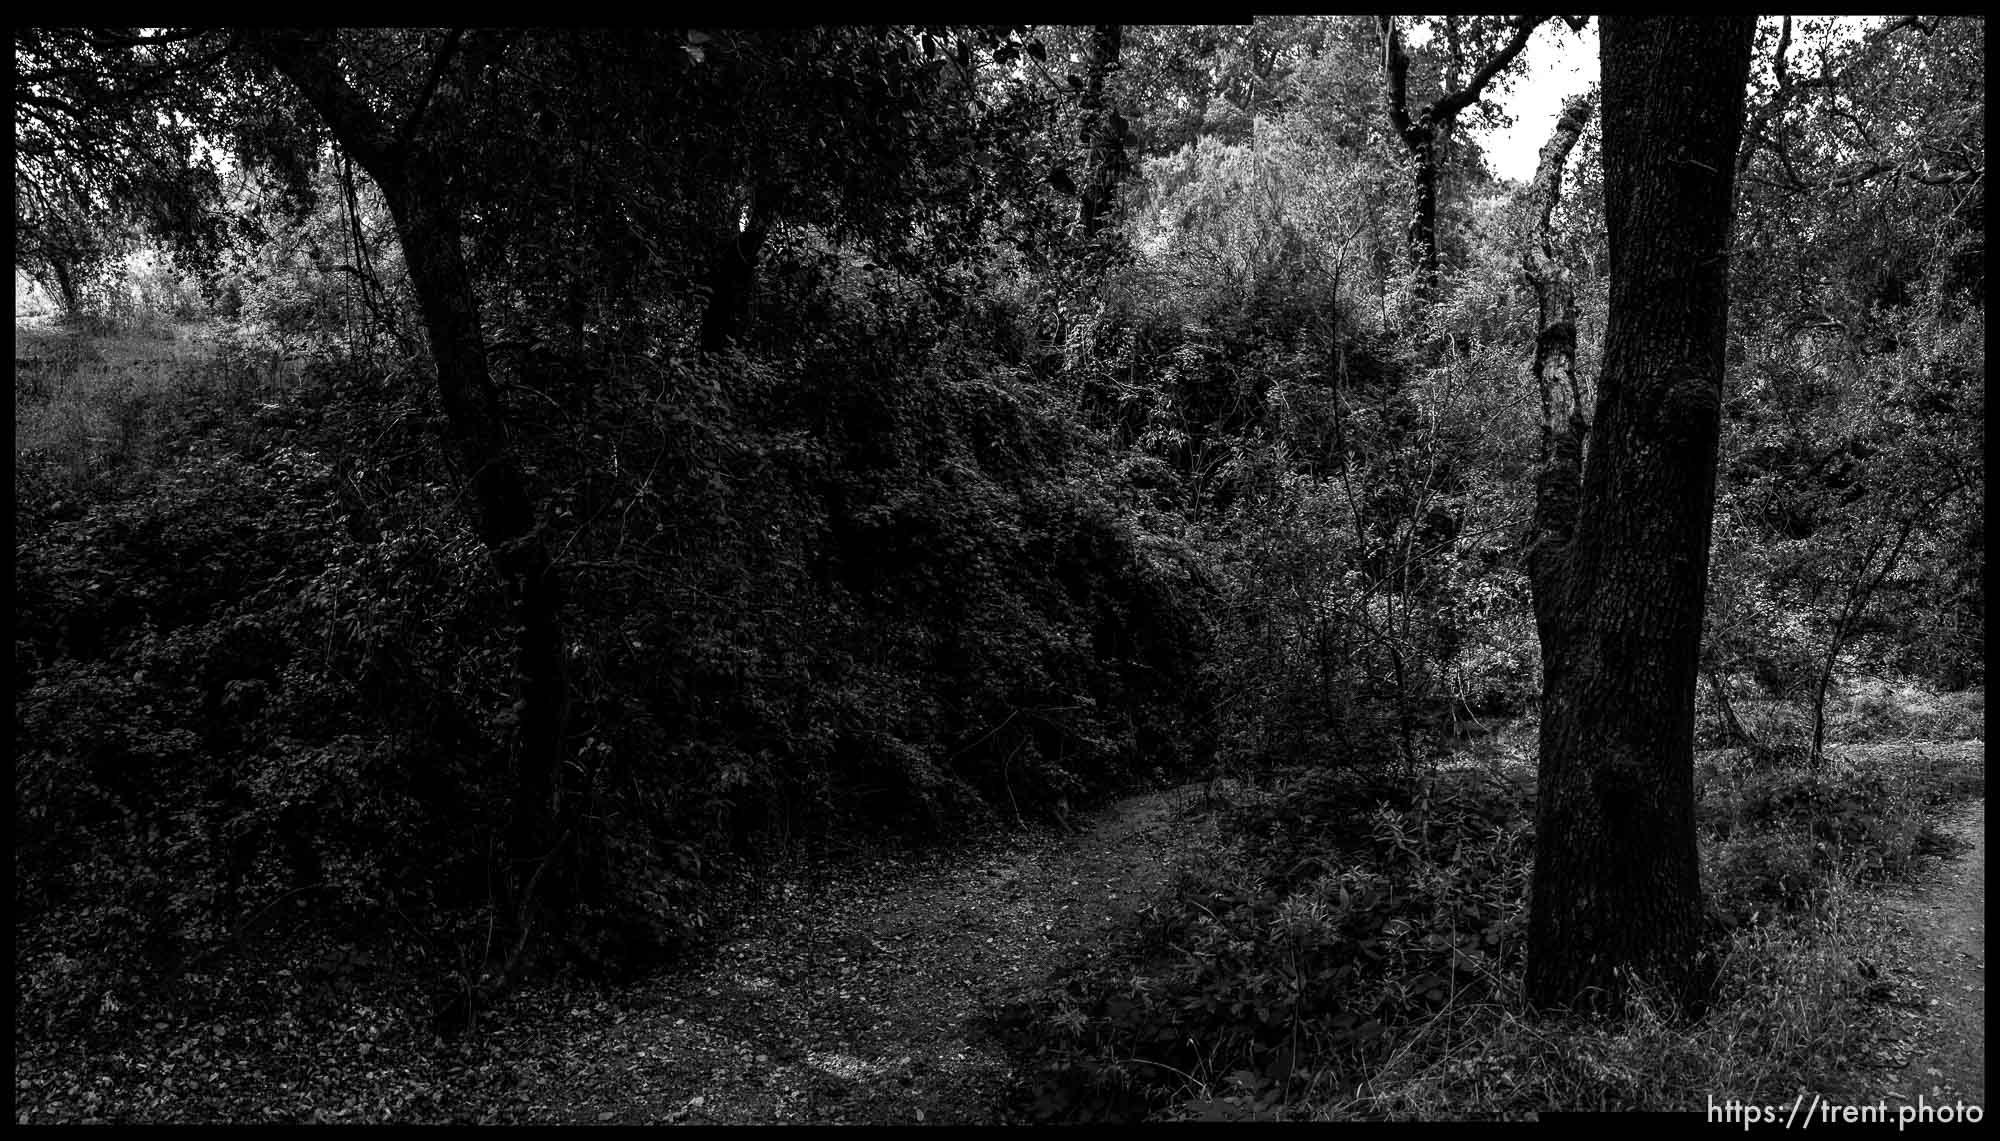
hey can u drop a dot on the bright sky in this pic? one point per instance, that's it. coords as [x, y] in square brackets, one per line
[1560, 63]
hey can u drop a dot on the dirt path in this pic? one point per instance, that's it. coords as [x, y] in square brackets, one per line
[1943, 980]
[857, 1006]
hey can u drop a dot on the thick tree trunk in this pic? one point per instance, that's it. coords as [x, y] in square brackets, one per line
[503, 512]
[1105, 131]
[1616, 897]
[66, 291]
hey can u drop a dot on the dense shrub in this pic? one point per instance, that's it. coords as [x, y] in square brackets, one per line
[1350, 909]
[227, 706]
[1777, 838]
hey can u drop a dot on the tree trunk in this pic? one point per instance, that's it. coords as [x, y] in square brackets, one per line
[732, 277]
[1616, 896]
[1423, 237]
[1423, 131]
[428, 226]
[66, 291]
[1563, 425]
[1105, 131]
[1733, 731]
[1859, 593]
[504, 514]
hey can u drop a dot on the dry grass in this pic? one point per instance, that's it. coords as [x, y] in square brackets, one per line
[1872, 709]
[86, 402]
[1786, 1016]
[1858, 709]
[1795, 1007]
[1791, 1012]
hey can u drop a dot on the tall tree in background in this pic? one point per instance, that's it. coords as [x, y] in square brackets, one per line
[1105, 128]
[1619, 580]
[1563, 423]
[107, 130]
[1425, 131]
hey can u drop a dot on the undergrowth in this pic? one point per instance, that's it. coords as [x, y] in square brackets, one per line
[1354, 948]
[264, 670]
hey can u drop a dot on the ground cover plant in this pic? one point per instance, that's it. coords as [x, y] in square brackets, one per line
[550, 559]
[1351, 949]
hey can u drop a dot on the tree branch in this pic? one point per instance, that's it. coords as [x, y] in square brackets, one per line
[104, 37]
[1457, 101]
[408, 129]
[304, 59]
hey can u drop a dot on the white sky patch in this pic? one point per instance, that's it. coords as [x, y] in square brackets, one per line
[1560, 64]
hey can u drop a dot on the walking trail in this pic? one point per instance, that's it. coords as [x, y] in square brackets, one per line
[856, 1001]
[861, 1000]
[1935, 1013]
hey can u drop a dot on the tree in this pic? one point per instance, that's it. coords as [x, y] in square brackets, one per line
[1105, 127]
[1425, 132]
[413, 160]
[1619, 578]
[106, 123]
[1563, 425]
[1858, 298]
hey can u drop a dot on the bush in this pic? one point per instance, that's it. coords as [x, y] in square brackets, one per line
[1778, 837]
[1875, 710]
[1349, 911]
[227, 704]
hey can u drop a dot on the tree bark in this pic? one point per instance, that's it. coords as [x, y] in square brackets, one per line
[1563, 425]
[1616, 895]
[1425, 131]
[66, 291]
[733, 276]
[1104, 129]
[415, 183]
[1733, 731]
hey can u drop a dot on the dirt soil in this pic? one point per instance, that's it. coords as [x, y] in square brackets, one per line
[857, 1001]
[861, 997]
[1934, 998]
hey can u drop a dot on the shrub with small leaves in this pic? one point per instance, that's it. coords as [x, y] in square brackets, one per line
[1351, 908]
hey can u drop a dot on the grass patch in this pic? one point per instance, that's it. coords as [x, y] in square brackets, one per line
[89, 403]
[1872, 709]
[1786, 1015]
[1355, 952]
[1863, 710]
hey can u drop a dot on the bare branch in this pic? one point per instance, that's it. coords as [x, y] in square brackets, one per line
[105, 38]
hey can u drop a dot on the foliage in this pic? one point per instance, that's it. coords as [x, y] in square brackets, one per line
[1854, 305]
[886, 505]
[186, 763]
[1355, 954]
[1348, 912]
